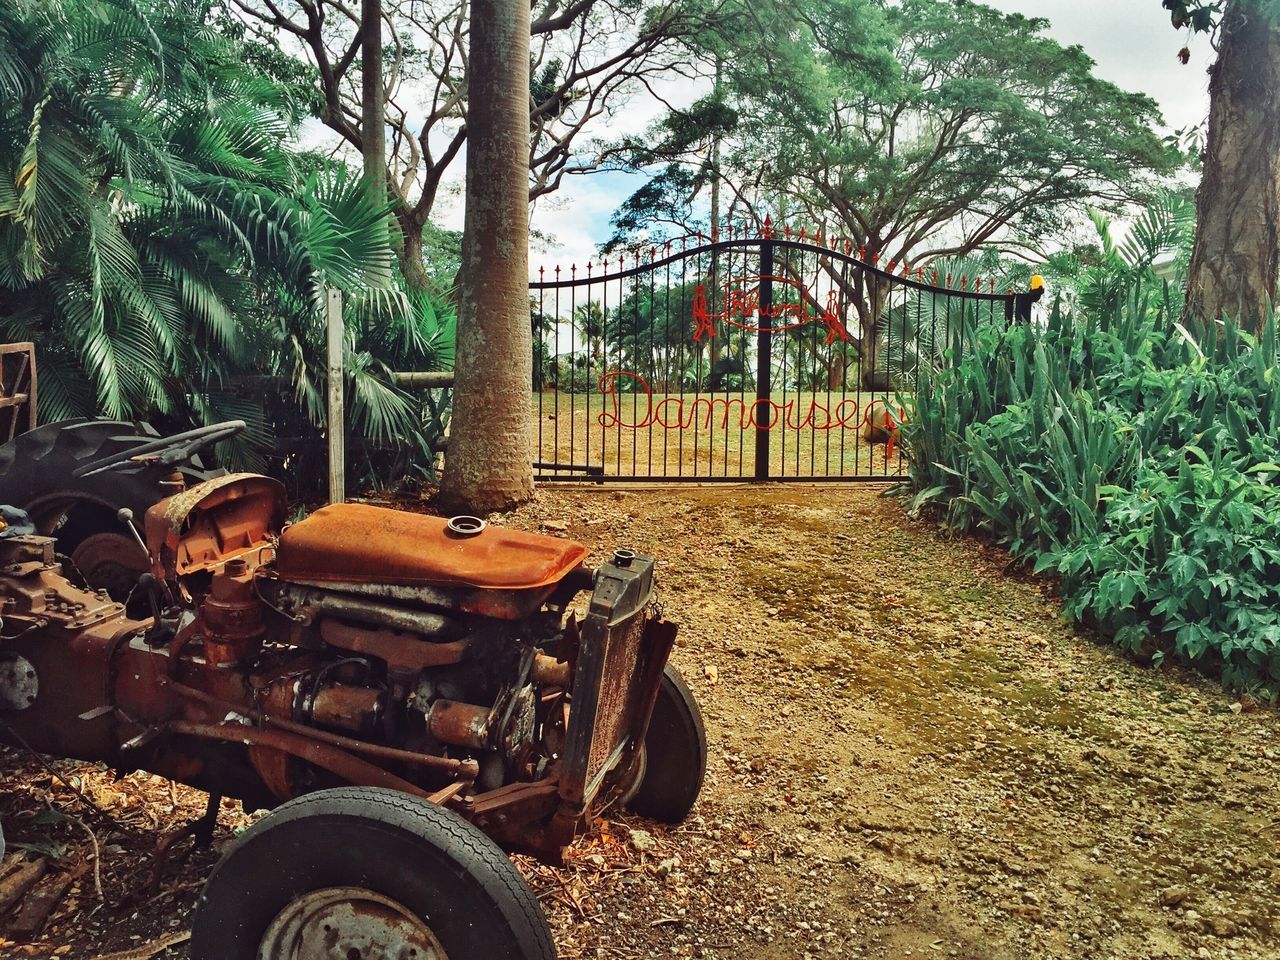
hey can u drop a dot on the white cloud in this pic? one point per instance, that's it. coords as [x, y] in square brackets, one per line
[1135, 48]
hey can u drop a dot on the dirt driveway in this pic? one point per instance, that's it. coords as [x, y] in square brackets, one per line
[911, 756]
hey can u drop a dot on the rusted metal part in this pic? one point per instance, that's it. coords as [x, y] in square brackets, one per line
[33, 586]
[618, 669]
[341, 764]
[311, 602]
[231, 616]
[468, 769]
[460, 724]
[499, 604]
[19, 684]
[516, 817]
[17, 552]
[358, 542]
[212, 522]
[401, 651]
[446, 795]
[273, 766]
[356, 709]
[339, 923]
[371, 685]
[66, 637]
[550, 672]
[278, 698]
[111, 561]
[659, 638]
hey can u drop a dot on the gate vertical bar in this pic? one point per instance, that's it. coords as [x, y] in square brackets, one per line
[764, 356]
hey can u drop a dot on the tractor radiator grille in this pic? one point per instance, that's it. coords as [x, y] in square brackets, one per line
[620, 661]
[617, 697]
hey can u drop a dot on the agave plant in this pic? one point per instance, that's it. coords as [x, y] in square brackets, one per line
[159, 242]
[1133, 461]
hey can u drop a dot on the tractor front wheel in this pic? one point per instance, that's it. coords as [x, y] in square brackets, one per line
[361, 873]
[674, 757]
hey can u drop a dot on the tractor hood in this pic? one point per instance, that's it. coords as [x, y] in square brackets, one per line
[358, 543]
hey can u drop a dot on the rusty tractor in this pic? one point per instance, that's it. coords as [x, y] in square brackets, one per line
[410, 696]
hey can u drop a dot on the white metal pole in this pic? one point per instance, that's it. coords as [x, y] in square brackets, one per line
[337, 431]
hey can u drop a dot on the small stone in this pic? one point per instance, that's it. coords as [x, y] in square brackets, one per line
[1237, 707]
[667, 867]
[555, 526]
[643, 841]
[1172, 896]
[1222, 927]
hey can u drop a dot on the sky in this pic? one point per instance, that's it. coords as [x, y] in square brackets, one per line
[1131, 41]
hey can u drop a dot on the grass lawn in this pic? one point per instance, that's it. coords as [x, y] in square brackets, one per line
[635, 434]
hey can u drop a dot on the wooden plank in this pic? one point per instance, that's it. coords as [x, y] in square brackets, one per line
[38, 904]
[20, 881]
[426, 380]
[31, 387]
[336, 413]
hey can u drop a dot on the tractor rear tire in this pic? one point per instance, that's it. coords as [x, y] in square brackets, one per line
[333, 874]
[37, 475]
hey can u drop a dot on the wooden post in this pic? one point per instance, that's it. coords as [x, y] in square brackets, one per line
[337, 419]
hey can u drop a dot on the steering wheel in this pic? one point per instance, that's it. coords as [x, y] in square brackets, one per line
[167, 450]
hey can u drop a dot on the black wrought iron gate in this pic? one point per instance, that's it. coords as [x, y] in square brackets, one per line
[758, 356]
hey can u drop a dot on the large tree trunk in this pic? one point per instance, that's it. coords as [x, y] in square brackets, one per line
[373, 128]
[372, 106]
[412, 265]
[488, 465]
[1237, 249]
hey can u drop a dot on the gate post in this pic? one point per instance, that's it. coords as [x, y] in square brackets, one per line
[335, 419]
[764, 357]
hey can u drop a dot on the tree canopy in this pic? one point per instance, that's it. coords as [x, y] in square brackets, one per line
[587, 57]
[932, 128]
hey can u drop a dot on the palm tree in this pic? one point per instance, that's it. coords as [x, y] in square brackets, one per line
[158, 242]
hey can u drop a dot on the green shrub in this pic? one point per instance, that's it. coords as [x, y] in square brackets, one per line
[1134, 461]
